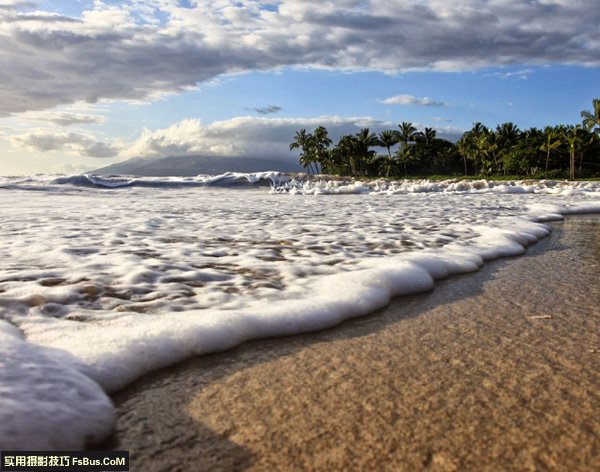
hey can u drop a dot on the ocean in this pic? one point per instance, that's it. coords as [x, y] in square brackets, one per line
[103, 279]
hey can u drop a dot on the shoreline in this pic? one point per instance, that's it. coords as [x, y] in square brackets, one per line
[449, 380]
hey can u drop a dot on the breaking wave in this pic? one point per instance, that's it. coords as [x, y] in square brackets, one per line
[295, 184]
[108, 182]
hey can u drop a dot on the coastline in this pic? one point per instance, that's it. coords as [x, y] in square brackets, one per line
[490, 370]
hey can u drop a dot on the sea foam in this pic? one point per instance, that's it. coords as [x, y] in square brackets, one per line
[45, 401]
[110, 282]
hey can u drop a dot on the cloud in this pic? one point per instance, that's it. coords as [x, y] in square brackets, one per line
[449, 132]
[243, 136]
[64, 118]
[240, 136]
[70, 143]
[41, 17]
[12, 5]
[250, 136]
[268, 110]
[407, 100]
[519, 74]
[134, 50]
[72, 169]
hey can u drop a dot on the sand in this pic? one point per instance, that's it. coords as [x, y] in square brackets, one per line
[492, 371]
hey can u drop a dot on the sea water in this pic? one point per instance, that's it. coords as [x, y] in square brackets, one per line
[103, 279]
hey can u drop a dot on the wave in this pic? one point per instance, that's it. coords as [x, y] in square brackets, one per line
[294, 184]
[338, 186]
[163, 279]
[113, 182]
[98, 358]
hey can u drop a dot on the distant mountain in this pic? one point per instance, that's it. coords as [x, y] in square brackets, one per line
[194, 165]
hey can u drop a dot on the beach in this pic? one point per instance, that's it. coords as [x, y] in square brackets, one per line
[262, 235]
[163, 270]
[496, 370]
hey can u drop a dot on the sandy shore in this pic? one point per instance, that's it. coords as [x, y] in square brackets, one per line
[489, 372]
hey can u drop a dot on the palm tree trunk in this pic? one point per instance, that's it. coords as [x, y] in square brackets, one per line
[572, 164]
[547, 159]
[388, 163]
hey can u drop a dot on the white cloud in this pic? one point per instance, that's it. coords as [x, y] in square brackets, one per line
[14, 4]
[240, 136]
[76, 144]
[64, 118]
[70, 168]
[407, 100]
[243, 136]
[522, 74]
[250, 136]
[134, 50]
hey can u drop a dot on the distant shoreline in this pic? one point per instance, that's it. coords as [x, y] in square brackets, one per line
[434, 178]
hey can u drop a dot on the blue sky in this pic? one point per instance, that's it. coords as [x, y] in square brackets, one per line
[528, 96]
[87, 83]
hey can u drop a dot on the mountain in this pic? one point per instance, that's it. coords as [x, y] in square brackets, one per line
[194, 165]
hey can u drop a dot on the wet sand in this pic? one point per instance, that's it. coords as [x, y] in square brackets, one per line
[492, 371]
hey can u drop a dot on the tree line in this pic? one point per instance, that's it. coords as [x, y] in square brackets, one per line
[552, 152]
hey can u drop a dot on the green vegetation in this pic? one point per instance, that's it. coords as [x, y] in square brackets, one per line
[555, 152]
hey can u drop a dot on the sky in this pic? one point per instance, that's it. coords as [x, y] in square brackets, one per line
[87, 83]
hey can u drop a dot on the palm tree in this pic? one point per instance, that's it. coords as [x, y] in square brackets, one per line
[508, 133]
[304, 141]
[591, 120]
[429, 135]
[471, 145]
[388, 139]
[465, 148]
[321, 143]
[364, 140]
[573, 137]
[423, 149]
[531, 141]
[506, 137]
[586, 141]
[405, 156]
[483, 147]
[407, 134]
[344, 154]
[552, 142]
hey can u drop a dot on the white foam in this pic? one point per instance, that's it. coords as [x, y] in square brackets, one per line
[122, 349]
[151, 276]
[45, 403]
[322, 186]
